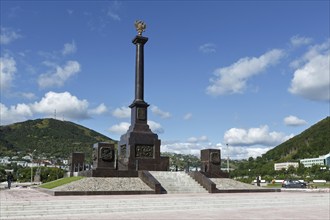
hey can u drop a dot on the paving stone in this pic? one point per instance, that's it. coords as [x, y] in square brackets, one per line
[27, 203]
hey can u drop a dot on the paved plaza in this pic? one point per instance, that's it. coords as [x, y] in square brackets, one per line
[27, 203]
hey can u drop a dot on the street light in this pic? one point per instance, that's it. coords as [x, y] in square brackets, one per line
[32, 165]
[227, 158]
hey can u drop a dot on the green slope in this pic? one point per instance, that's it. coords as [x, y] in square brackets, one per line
[313, 142]
[50, 137]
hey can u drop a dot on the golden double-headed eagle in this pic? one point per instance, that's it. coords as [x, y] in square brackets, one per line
[140, 26]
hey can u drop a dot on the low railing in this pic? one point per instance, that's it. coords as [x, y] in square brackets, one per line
[204, 181]
[151, 181]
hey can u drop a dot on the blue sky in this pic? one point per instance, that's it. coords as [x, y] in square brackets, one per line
[250, 74]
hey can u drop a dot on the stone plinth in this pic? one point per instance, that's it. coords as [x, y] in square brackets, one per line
[138, 150]
[211, 161]
[104, 156]
[77, 162]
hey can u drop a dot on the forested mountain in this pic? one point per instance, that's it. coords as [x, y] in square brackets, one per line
[313, 142]
[50, 137]
[55, 138]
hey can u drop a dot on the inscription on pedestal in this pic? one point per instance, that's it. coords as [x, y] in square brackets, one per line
[144, 151]
[141, 114]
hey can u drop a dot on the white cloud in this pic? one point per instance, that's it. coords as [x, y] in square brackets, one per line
[70, 11]
[123, 112]
[59, 75]
[122, 128]
[254, 136]
[297, 41]
[7, 72]
[20, 112]
[182, 147]
[198, 139]
[187, 116]
[64, 104]
[208, 48]
[232, 79]
[28, 95]
[155, 127]
[99, 110]
[238, 152]
[119, 128]
[312, 80]
[193, 145]
[69, 48]
[113, 15]
[113, 11]
[294, 121]
[157, 111]
[8, 35]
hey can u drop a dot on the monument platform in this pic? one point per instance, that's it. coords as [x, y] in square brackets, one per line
[154, 182]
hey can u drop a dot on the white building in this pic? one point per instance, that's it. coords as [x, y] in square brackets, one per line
[321, 160]
[5, 160]
[22, 163]
[286, 165]
[27, 157]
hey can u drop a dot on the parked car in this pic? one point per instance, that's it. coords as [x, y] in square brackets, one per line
[293, 184]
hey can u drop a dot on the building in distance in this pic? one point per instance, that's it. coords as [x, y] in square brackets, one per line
[286, 165]
[321, 160]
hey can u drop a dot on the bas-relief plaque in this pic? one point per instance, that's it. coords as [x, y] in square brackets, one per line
[215, 157]
[123, 150]
[107, 154]
[94, 154]
[144, 151]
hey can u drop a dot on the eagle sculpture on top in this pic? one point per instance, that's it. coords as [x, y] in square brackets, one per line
[140, 26]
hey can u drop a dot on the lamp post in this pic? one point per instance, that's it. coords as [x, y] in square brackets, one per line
[227, 158]
[32, 165]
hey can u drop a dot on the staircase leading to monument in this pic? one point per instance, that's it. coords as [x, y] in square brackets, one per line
[177, 182]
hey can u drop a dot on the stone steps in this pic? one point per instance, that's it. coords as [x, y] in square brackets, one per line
[72, 209]
[59, 208]
[177, 182]
[31, 204]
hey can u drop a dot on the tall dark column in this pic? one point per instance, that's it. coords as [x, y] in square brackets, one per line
[139, 148]
[139, 106]
[139, 41]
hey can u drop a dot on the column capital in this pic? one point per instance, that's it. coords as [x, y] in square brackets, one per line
[139, 103]
[139, 40]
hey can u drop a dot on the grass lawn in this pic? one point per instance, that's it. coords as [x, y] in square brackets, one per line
[275, 185]
[60, 182]
[321, 185]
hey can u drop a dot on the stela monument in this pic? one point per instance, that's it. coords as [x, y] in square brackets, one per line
[139, 148]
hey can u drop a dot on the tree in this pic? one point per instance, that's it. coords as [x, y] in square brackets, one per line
[301, 170]
[181, 161]
[291, 170]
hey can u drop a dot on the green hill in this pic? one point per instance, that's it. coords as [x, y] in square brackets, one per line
[55, 138]
[313, 142]
[50, 137]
